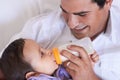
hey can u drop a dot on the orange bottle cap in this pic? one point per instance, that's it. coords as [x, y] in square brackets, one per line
[57, 55]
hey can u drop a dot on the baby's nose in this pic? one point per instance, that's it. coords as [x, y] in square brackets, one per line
[49, 52]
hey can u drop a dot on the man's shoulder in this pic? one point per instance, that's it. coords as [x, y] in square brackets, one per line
[53, 18]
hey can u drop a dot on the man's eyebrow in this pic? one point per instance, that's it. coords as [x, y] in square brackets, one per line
[80, 13]
[63, 9]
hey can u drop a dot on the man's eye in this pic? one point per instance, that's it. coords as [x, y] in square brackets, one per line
[82, 14]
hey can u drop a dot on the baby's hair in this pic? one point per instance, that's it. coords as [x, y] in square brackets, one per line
[12, 64]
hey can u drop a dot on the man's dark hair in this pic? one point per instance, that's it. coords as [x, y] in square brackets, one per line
[100, 3]
[12, 64]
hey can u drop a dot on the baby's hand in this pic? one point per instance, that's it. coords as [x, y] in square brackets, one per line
[94, 58]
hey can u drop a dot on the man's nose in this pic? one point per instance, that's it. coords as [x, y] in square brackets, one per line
[72, 21]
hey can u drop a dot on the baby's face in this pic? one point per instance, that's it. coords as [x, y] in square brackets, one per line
[40, 59]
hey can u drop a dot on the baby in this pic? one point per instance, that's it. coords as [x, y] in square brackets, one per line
[24, 59]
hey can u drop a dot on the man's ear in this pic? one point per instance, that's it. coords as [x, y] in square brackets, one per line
[29, 74]
[109, 2]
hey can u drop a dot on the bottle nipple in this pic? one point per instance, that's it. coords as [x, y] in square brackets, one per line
[57, 55]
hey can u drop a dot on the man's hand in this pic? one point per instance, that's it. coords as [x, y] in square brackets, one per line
[80, 68]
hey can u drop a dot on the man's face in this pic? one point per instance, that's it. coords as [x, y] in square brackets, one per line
[84, 17]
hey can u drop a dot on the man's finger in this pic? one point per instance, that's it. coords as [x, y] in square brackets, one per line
[71, 72]
[76, 60]
[83, 54]
[71, 66]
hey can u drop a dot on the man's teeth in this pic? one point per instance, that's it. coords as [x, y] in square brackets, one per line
[81, 27]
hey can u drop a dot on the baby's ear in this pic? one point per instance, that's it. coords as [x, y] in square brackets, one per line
[29, 74]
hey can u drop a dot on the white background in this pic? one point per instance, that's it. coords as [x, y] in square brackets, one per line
[15, 13]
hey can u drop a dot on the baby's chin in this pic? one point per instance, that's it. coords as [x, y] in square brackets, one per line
[56, 65]
[53, 70]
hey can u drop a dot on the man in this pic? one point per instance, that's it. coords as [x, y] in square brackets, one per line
[96, 19]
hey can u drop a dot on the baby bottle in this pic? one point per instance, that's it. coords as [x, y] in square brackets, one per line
[84, 42]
